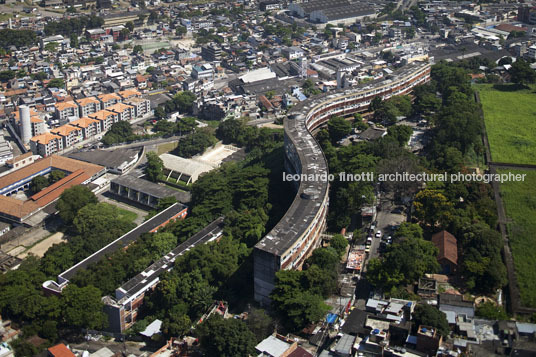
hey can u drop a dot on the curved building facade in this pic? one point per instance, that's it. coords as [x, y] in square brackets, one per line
[298, 233]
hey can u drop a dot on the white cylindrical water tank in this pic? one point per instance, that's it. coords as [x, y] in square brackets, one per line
[26, 125]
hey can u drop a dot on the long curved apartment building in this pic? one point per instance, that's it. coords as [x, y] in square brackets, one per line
[298, 233]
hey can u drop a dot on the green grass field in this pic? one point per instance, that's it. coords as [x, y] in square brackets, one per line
[123, 213]
[167, 147]
[510, 117]
[519, 201]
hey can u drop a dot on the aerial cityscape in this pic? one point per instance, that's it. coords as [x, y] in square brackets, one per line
[332, 178]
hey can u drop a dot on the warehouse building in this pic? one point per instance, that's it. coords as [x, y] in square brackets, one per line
[332, 11]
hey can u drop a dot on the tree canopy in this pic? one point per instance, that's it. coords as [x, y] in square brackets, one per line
[225, 337]
[429, 315]
[17, 38]
[72, 200]
[154, 167]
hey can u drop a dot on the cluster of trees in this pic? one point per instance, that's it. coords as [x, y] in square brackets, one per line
[17, 38]
[338, 128]
[92, 225]
[22, 299]
[521, 73]
[182, 126]
[387, 111]
[196, 142]
[75, 25]
[40, 182]
[255, 140]
[405, 261]
[465, 209]
[428, 315]
[154, 167]
[309, 88]
[380, 156]
[181, 102]
[56, 83]
[205, 36]
[120, 132]
[285, 33]
[457, 122]
[298, 296]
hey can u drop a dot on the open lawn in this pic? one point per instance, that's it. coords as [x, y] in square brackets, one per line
[167, 147]
[519, 201]
[510, 117]
[126, 214]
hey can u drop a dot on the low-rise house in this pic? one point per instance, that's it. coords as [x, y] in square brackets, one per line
[448, 251]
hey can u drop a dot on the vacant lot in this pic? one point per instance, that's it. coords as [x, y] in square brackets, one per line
[41, 248]
[510, 117]
[520, 205]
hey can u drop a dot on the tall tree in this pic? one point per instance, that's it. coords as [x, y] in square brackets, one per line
[154, 167]
[338, 128]
[522, 73]
[72, 200]
[432, 207]
[429, 315]
[225, 337]
[82, 307]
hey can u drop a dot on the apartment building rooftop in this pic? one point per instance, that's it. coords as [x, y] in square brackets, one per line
[64, 130]
[84, 122]
[65, 105]
[109, 96]
[45, 138]
[87, 100]
[101, 114]
[119, 107]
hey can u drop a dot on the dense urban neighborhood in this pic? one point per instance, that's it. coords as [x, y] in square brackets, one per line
[267, 178]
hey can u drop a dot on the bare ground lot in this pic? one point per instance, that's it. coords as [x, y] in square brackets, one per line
[40, 248]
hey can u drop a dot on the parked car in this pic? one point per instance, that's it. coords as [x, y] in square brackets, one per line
[398, 210]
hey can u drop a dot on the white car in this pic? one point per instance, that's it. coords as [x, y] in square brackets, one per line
[378, 234]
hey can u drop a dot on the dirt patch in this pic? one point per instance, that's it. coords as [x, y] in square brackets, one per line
[40, 248]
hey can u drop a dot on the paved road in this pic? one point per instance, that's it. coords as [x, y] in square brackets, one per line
[144, 143]
[385, 220]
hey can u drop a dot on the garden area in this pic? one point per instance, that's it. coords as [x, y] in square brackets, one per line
[520, 206]
[510, 121]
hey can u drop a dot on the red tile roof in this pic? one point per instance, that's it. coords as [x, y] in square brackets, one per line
[447, 245]
[60, 350]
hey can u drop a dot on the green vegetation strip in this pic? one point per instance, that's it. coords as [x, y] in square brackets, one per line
[520, 205]
[124, 214]
[510, 120]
